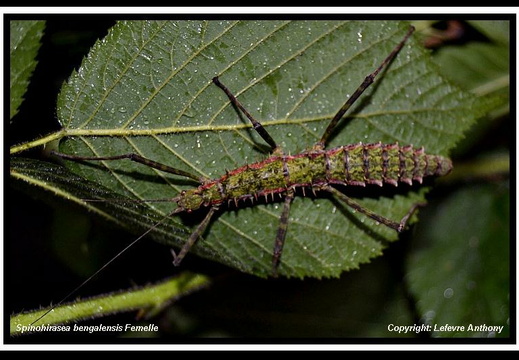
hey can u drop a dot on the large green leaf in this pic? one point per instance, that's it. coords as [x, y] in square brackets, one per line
[24, 43]
[146, 88]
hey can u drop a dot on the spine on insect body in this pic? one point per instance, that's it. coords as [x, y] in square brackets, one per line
[353, 165]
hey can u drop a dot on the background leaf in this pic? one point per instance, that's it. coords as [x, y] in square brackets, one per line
[449, 272]
[482, 67]
[25, 38]
[148, 86]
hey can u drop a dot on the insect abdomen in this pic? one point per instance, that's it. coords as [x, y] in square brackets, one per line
[362, 164]
[354, 165]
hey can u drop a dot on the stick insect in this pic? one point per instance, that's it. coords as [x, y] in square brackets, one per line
[318, 168]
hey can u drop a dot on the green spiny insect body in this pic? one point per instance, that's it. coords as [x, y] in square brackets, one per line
[350, 165]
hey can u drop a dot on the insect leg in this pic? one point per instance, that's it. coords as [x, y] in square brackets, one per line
[398, 226]
[132, 157]
[255, 123]
[193, 238]
[365, 84]
[282, 232]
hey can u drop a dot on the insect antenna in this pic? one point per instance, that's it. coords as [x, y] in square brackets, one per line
[131, 200]
[77, 288]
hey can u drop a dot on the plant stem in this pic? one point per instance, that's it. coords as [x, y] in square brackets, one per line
[151, 298]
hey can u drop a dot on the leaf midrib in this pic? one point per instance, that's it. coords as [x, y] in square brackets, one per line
[118, 132]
